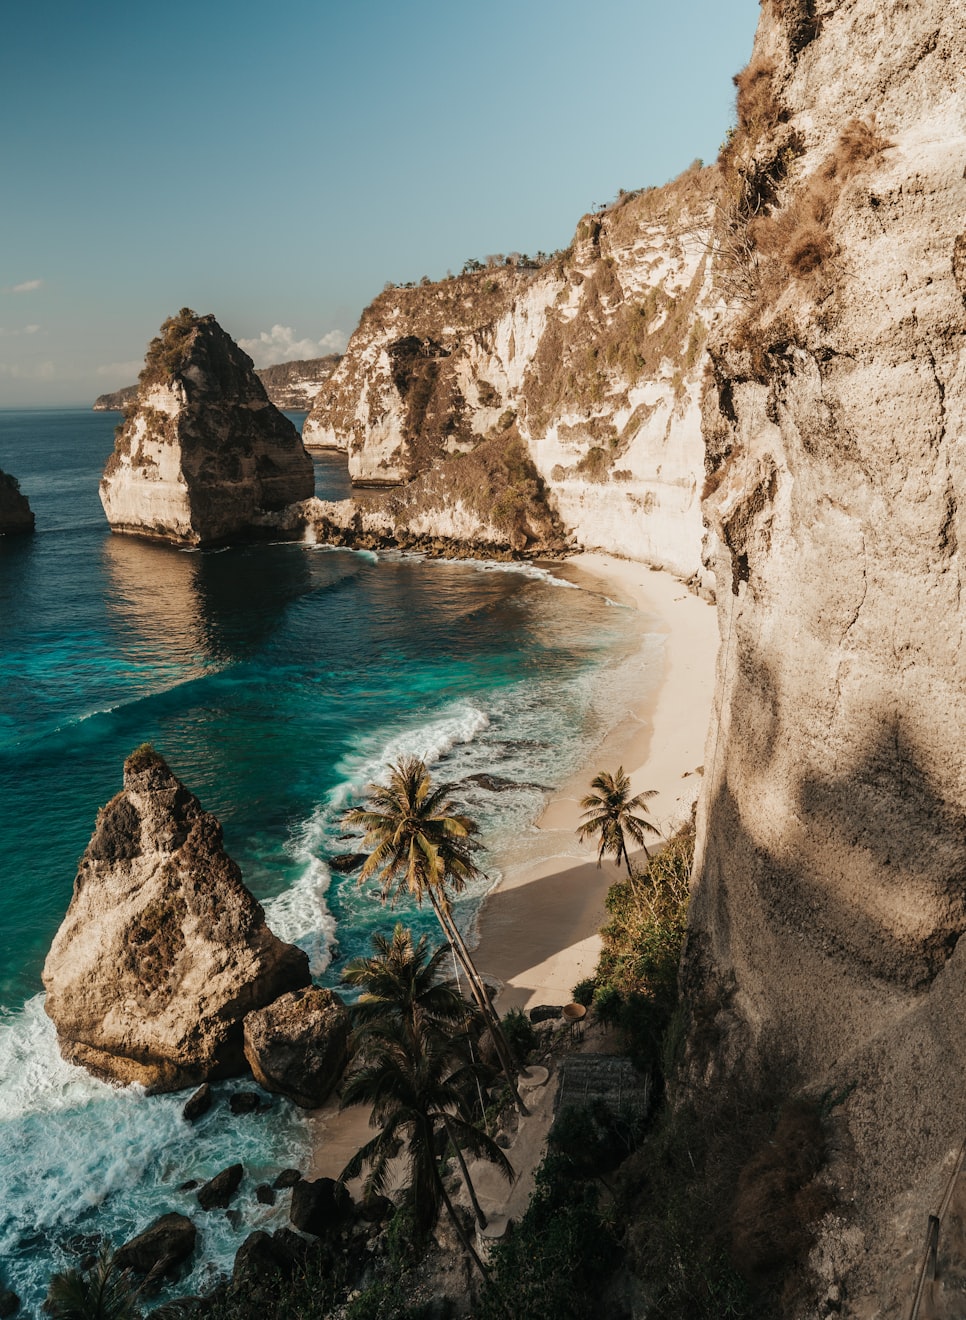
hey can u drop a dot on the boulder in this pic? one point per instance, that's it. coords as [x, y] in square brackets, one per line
[163, 950]
[322, 1207]
[545, 1013]
[15, 513]
[346, 863]
[263, 1255]
[9, 1304]
[245, 1102]
[265, 1194]
[218, 1191]
[198, 1104]
[298, 1045]
[202, 452]
[160, 1248]
[287, 1178]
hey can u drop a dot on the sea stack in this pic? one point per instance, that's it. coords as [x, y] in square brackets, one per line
[15, 513]
[163, 950]
[202, 451]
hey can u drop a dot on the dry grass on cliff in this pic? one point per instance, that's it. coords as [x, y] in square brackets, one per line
[765, 248]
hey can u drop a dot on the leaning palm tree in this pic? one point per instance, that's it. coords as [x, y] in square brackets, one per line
[422, 846]
[101, 1293]
[418, 1087]
[609, 813]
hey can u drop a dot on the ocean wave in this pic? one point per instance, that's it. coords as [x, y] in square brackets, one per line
[80, 1157]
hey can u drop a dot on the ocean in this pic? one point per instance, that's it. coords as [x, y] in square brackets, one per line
[277, 680]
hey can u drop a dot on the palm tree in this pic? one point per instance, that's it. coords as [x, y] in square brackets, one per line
[403, 982]
[610, 813]
[422, 846]
[101, 1293]
[418, 1086]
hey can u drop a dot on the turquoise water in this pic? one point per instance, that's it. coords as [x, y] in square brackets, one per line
[278, 680]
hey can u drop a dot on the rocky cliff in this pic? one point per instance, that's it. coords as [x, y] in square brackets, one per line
[590, 366]
[116, 400]
[830, 898]
[202, 452]
[163, 950]
[291, 386]
[15, 512]
[295, 386]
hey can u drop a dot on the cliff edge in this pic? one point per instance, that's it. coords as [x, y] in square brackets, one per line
[829, 904]
[202, 452]
[587, 364]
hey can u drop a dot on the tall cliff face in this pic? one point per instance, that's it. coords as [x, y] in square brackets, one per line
[202, 453]
[593, 362]
[832, 860]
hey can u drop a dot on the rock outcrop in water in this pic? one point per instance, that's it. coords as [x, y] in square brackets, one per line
[163, 950]
[202, 453]
[16, 516]
[826, 949]
[584, 373]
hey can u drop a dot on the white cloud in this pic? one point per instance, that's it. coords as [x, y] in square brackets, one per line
[27, 286]
[280, 345]
[24, 330]
[30, 371]
[123, 371]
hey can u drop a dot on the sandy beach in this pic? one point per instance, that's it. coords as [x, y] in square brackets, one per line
[537, 933]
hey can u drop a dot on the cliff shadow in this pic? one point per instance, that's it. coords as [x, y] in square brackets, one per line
[224, 603]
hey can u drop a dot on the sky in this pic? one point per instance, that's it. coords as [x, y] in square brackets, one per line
[277, 165]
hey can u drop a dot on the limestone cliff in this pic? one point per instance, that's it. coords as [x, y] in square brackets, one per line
[295, 386]
[202, 452]
[163, 950]
[15, 512]
[591, 362]
[116, 400]
[831, 892]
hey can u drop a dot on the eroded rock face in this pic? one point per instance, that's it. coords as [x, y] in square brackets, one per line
[163, 950]
[298, 1045]
[830, 899]
[202, 452]
[590, 364]
[15, 513]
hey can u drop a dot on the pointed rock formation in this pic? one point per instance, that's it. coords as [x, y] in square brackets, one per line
[163, 950]
[15, 513]
[201, 452]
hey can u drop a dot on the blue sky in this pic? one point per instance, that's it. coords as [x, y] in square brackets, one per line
[276, 165]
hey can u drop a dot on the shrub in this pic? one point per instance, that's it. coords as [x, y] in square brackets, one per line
[520, 1034]
[553, 1264]
[583, 991]
[594, 1138]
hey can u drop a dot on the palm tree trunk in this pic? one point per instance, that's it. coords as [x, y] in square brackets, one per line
[453, 934]
[460, 1230]
[477, 1208]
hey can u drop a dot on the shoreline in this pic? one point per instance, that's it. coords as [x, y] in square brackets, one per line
[537, 930]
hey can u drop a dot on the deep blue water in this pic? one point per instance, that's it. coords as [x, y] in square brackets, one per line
[277, 680]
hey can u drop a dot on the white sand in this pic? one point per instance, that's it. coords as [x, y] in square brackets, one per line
[538, 931]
